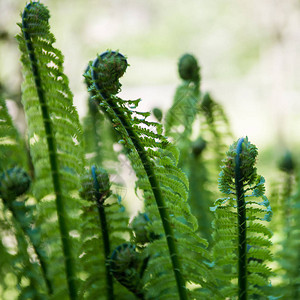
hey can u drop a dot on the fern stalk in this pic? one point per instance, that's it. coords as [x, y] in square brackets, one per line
[241, 208]
[52, 150]
[105, 238]
[164, 215]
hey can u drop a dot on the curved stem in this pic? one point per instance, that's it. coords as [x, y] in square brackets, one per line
[52, 151]
[242, 226]
[105, 238]
[162, 208]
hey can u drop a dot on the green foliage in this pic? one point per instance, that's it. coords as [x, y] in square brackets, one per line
[128, 266]
[165, 188]
[180, 117]
[104, 228]
[241, 239]
[287, 224]
[168, 251]
[54, 134]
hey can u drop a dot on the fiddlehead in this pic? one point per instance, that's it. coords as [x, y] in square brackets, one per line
[103, 211]
[14, 183]
[164, 185]
[96, 187]
[142, 235]
[188, 69]
[238, 222]
[128, 266]
[181, 116]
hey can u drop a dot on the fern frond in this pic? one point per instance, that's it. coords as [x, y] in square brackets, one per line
[242, 241]
[54, 133]
[288, 212]
[13, 184]
[165, 188]
[105, 227]
[180, 117]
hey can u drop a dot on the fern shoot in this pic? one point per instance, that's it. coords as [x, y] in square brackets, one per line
[111, 86]
[241, 239]
[98, 191]
[154, 160]
[54, 129]
[128, 266]
[104, 227]
[13, 183]
[181, 116]
[289, 212]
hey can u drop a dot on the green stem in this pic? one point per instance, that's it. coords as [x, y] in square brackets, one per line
[31, 235]
[162, 208]
[242, 225]
[163, 211]
[105, 238]
[52, 150]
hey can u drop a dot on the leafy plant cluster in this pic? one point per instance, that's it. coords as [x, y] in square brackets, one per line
[65, 233]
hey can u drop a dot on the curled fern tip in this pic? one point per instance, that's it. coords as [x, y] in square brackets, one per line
[106, 71]
[188, 68]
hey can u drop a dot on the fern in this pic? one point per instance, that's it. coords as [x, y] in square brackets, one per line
[181, 116]
[288, 218]
[165, 186]
[12, 257]
[104, 228]
[241, 239]
[14, 183]
[54, 135]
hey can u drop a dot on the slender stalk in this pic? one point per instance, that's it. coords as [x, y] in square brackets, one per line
[52, 150]
[162, 208]
[105, 238]
[242, 244]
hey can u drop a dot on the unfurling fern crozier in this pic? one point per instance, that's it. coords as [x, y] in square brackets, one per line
[179, 251]
[241, 238]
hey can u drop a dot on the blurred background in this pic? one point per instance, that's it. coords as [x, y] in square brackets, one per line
[247, 51]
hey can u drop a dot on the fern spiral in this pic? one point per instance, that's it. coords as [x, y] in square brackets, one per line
[241, 238]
